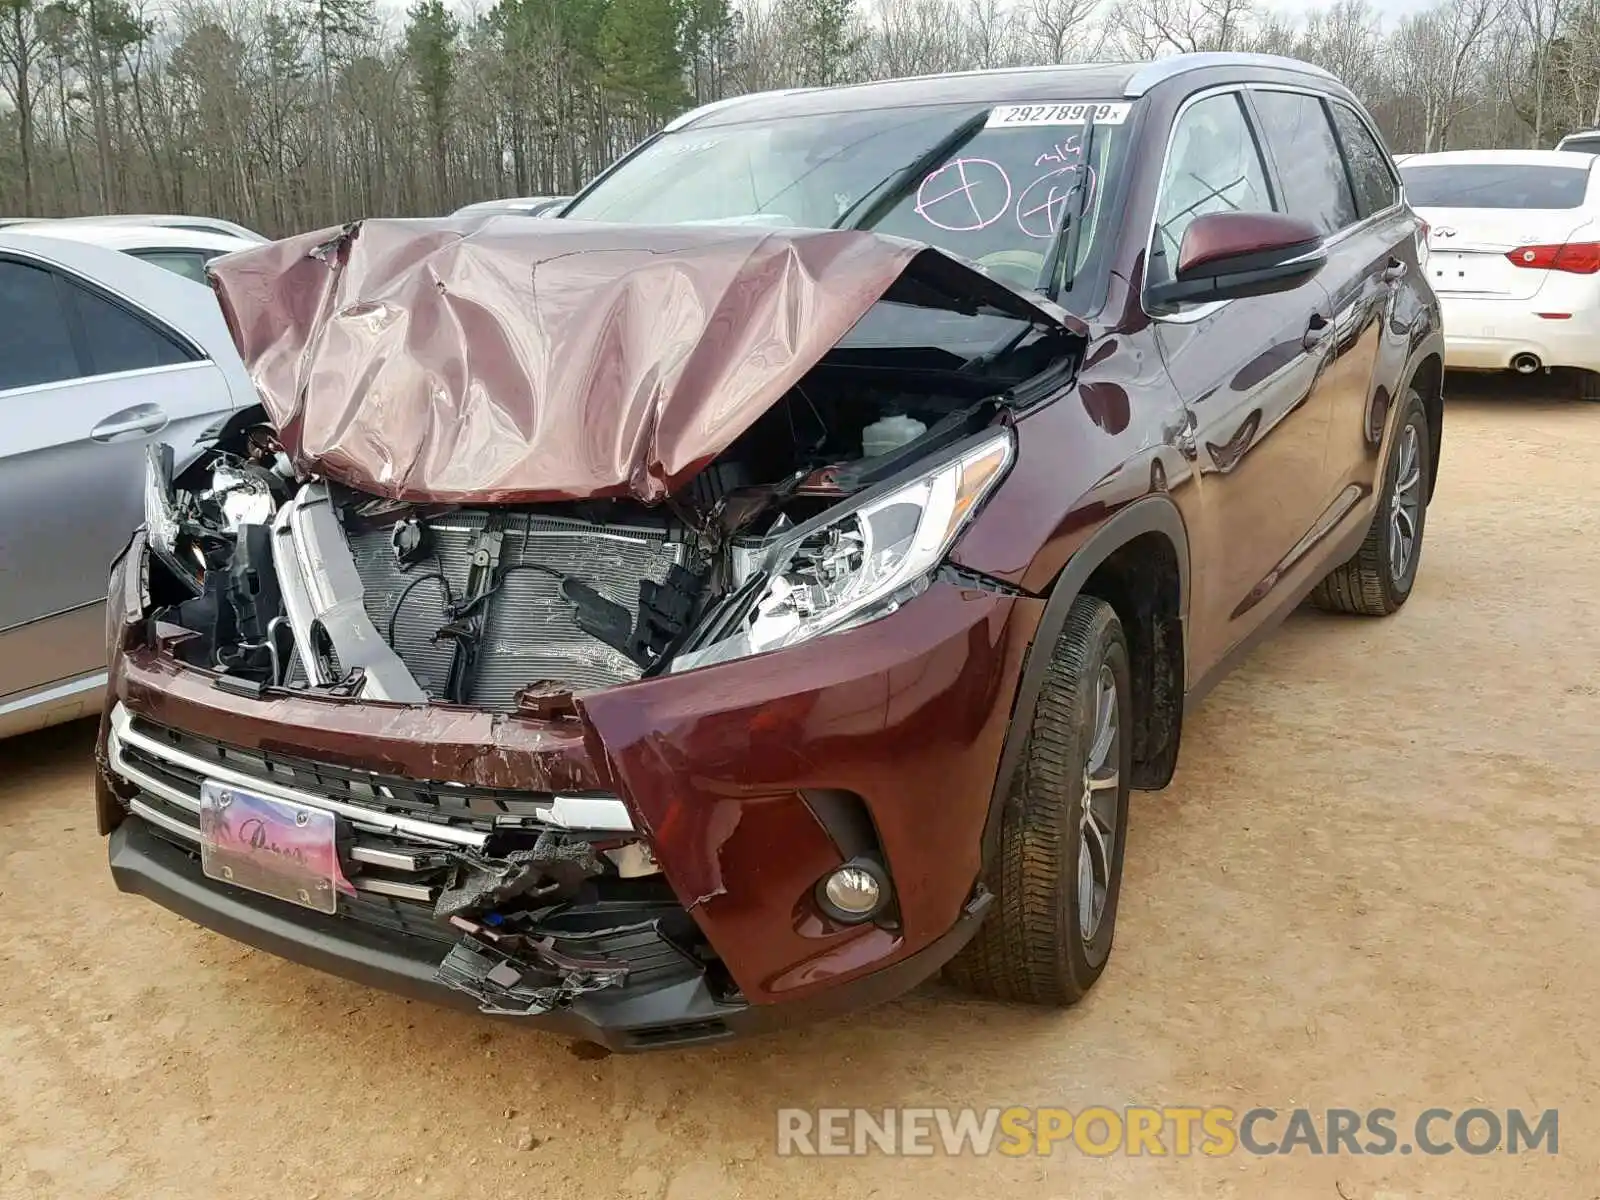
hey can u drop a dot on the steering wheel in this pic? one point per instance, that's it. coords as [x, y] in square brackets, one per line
[1020, 267]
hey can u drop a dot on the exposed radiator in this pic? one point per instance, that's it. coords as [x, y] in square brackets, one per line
[529, 634]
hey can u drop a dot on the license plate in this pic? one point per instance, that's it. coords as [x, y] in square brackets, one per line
[270, 846]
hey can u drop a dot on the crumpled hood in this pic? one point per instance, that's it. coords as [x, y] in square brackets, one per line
[507, 360]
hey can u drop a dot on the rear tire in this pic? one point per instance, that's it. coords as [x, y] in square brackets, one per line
[1057, 873]
[1587, 385]
[1378, 578]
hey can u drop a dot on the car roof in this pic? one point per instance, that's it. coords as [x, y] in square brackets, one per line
[1085, 81]
[1527, 158]
[166, 220]
[127, 236]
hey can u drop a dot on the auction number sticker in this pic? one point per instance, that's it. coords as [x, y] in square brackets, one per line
[1016, 116]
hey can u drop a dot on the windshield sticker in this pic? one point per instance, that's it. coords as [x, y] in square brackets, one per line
[1020, 116]
[1040, 207]
[965, 195]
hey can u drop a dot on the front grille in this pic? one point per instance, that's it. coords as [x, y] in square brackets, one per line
[475, 807]
[529, 634]
[649, 934]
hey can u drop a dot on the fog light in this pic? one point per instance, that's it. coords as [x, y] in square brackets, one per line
[854, 892]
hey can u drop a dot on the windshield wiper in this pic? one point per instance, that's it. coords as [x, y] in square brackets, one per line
[1069, 233]
[874, 204]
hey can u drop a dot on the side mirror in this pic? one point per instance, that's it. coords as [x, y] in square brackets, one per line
[1230, 255]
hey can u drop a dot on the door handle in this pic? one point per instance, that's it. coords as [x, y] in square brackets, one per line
[1394, 272]
[1316, 332]
[141, 418]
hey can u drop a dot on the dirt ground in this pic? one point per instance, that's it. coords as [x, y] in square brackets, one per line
[1374, 882]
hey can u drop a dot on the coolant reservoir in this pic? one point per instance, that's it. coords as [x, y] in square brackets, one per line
[890, 434]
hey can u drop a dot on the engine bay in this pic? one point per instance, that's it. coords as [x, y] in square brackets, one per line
[292, 581]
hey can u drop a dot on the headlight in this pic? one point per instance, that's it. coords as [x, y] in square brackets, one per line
[849, 567]
[162, 527]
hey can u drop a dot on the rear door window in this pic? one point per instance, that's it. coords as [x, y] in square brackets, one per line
[1376, 188]
[119, 339]
[1494, 185]
[1302, 144]
[35, 338]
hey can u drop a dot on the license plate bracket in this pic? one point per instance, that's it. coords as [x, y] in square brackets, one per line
[269, 846]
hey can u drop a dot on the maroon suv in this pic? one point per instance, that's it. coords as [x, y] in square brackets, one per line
[760, 588]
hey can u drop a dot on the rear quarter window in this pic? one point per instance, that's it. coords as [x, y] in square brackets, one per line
[1370, 171]
[1494, 185]
[118, 339]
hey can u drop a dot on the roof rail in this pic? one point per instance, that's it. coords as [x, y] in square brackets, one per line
[1163, 69]
[694, 114]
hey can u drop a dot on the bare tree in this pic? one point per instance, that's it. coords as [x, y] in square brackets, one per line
[1444, 50]
[1539, 20]
[295, 114]
[1147, 28]
[1063, 30]
[990, 30]
[1345, 38]
[20, 54]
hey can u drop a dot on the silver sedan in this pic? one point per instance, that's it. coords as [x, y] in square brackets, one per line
[101, 354]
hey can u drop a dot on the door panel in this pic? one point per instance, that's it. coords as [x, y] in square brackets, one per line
[1249, 375]
[93, 382]
[1373, 265]
[55, 648]
[1369, 354]
[72, 499]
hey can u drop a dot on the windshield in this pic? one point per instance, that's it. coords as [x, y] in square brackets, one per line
[1494, 185]
[997, 198]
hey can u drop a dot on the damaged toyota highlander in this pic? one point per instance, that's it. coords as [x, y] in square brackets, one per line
[759, 589]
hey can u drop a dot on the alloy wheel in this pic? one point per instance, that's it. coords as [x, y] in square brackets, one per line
[1405, 504]
[1097, 817]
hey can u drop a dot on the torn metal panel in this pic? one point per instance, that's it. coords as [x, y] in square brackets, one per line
[555, 866]
[323, 591]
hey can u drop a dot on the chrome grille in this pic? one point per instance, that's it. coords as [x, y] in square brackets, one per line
[389, 855]
[395, 823]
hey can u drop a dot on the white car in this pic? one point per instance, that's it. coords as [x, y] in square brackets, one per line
[184, 251]
[527, 206]
[1586, 142]
[100, 357]
[1514, 255]
[166, 220]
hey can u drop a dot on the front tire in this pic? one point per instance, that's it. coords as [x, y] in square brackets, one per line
[1057, 874]
[1377, 580]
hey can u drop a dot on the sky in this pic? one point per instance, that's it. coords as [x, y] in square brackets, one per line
[1390, 10]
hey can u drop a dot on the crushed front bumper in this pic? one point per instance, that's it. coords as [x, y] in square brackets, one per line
[628, 1019]
[731, 774]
